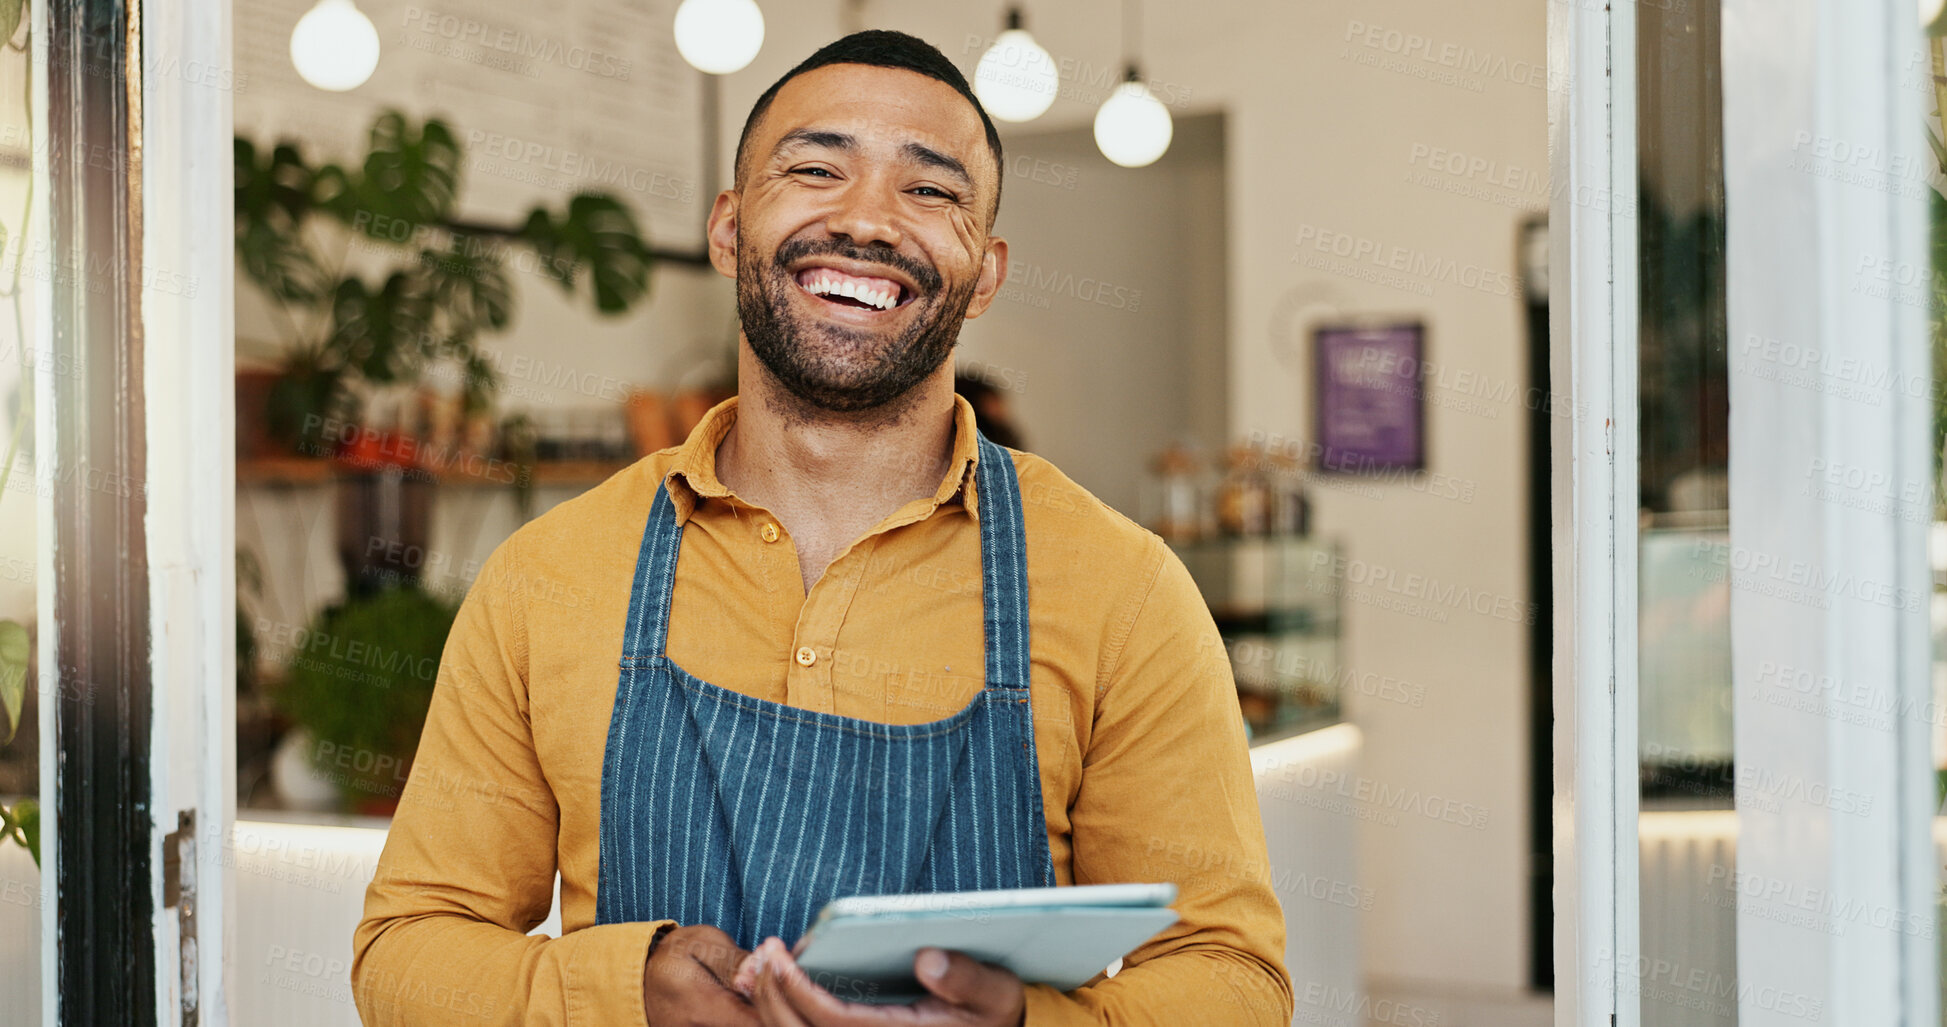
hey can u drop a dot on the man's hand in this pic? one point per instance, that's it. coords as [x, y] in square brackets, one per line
[686, 982]
[964, 993]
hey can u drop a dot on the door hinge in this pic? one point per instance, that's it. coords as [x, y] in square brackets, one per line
[179, 894]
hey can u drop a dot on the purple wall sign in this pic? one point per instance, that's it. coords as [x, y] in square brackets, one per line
[1371, 414]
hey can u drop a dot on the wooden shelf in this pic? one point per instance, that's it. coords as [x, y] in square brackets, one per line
[306, 471]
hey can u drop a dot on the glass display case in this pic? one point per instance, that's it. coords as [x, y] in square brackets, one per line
[1276, 605]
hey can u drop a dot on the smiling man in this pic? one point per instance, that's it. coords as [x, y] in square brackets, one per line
[835, 644]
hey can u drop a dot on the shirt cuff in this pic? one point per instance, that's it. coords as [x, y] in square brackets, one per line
[604, 978]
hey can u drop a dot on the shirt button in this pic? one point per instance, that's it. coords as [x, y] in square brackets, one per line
[768, 533]
[806, 657]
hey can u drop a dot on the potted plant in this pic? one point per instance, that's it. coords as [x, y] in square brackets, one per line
[357, 336]
[357, 689]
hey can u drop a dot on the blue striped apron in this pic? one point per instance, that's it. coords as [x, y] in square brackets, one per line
[719, 808]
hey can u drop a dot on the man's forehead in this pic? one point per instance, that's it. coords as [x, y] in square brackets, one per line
[877, 106]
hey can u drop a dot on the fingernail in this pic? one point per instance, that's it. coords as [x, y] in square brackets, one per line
[932, 963]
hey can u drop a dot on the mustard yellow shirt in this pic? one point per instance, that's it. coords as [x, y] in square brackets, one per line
[1144, 770]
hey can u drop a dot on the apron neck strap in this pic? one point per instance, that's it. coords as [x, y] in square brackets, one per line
[1003, 567]
[655, 581]
[1003, 573]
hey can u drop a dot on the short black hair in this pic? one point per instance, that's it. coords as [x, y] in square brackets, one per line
[881, 48]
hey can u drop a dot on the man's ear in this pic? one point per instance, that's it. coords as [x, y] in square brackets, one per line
[993, 272]
[723, 233]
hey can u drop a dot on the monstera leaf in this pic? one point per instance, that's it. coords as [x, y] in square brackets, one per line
[9, 18]
[410, 179]
[470, 284]
[597, 233]
[273, 196]
[15, 652]
[382, 333]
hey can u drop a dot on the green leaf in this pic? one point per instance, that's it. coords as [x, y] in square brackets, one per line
[9, 18]
[15, 653]
[410, 178]
[27, 813]
[470, 285]
[273, 197]
[597, 233]
[383, 333]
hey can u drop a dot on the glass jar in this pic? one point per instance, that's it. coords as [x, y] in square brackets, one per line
[1244, 496]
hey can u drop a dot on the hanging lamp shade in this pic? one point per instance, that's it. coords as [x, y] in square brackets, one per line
[719, 36]
[334, 46]
[1133, 128]
[1016, 79]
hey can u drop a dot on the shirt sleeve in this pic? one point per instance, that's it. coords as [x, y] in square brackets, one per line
[1167, 794]
[469, 865]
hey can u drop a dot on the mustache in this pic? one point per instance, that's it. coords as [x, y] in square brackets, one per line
[795, 250]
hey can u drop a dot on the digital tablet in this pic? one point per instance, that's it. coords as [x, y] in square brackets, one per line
[861, 949]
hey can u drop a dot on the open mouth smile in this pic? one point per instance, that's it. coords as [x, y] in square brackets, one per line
[855, 292]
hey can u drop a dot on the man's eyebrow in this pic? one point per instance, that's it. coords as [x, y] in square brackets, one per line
[935, 159]
[825, 138]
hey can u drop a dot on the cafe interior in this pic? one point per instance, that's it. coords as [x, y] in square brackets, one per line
[1278, 293]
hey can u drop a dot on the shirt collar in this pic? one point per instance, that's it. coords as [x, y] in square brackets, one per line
[692, 476]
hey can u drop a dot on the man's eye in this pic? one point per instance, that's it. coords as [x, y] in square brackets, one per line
[812, 171]
[928, 190]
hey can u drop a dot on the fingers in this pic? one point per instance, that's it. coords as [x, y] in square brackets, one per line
[963, 981]
[773, 1005]
[791, 988]
[708, 948]
[745, 981]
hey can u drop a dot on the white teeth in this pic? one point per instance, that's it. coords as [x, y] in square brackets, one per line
[880, 299]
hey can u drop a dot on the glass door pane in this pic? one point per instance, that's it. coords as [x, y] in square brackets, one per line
[1688, 963]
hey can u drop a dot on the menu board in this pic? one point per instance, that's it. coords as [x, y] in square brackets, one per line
[546, 99]
[1369, 398]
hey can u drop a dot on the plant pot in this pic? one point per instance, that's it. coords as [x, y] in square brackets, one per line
[296, 779]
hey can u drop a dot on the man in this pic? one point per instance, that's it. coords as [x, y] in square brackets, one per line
[861, 650]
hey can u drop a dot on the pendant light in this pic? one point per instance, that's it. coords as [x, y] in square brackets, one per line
[1132, 128]
[334, 46]
[1016, 79]
[719, 36]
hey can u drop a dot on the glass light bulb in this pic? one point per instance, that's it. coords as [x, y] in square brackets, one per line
[719, 36]
[1133, 128]
[1017, 79]
[334, 46]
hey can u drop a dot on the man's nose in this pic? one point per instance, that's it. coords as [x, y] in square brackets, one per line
[864, 215]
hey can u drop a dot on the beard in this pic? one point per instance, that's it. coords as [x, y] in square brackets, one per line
[842, 368]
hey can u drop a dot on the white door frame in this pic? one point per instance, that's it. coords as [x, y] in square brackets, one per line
[1807, 238]
[189, 323]
[1592, 325]
[173, 254]
[1831, 495]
